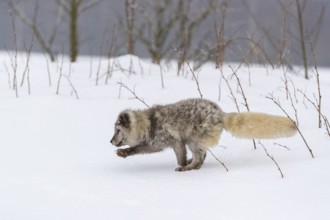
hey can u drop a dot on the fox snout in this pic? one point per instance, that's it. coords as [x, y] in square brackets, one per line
[116, 143]
[111, 141]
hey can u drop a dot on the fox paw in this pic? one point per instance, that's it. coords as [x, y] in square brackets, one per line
[181, 169]
[123, 153]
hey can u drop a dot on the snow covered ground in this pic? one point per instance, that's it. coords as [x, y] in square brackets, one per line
[56, 161]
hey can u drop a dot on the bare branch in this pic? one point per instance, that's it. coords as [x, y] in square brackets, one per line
[13, 60]
[281, 145]
[272, 158]
[89, 5]
[218, 159]
[276, 102]
[241, 88]
[196, 80]
[32, 24]
[319, 100]
[133, 93]
[302, 38]
[72, 86]
[65, 5]
[230, 90]
[27, 68]
[244, 97]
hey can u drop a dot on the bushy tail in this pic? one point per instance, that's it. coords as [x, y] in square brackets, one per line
[258, 125]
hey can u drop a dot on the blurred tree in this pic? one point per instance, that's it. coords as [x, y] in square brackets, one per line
[130, 21]
[74, 8]
[45, 44]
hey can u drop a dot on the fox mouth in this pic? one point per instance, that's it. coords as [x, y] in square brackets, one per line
[119, 144]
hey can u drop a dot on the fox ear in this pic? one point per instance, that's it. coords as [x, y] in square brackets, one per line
[124, 119]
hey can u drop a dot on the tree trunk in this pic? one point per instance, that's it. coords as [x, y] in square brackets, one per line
[302, 39]
[74, 41]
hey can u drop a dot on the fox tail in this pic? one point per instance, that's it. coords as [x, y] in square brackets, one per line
[259, 125]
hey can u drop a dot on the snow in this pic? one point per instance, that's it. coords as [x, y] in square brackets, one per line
[56, 161]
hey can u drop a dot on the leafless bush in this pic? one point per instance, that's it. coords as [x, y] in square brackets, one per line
[267, 35]
[287, 82]
[283, 32]
[26, 71]
[188, 22]
[111, 54]
[60, 69]
[46, 45]
[157, 23]
[61, 75]
[226, 79]
[319, 98]
[221, 41]
[13, 58]
[48, 71]
[278, 104]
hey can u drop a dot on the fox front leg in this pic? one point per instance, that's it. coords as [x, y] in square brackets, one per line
[140, 149]
[181, 153]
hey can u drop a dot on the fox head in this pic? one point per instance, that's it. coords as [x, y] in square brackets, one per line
[131, 128]
[122, 130]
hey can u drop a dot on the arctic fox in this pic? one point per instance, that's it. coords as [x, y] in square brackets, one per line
[196, 123]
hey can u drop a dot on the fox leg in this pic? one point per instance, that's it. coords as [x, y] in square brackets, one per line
[181, 153]
[191, 159]
[198, 156]
[140, 149]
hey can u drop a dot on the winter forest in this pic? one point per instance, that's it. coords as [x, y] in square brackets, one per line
[268, 32]
[69, 67]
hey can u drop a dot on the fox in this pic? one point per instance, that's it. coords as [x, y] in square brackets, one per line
[195, 124]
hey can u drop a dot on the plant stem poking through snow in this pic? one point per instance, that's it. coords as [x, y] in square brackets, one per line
[218, 160]
[319, 100]
[122, 85]
[272, 158]
[243, 95]
[14, 60]
[317, 107]
[230, 90]
[281, 145]
[73, 88]
[277, 102]
[196, 80]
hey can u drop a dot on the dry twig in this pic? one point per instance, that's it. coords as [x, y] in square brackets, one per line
[244, 97]
[122, 85]
[196, 80]
[272, 158]
[281, 145]
[13, 60]
[319, 100]
[230, 90]
[218, 160]
[72, 86]
[276, 102]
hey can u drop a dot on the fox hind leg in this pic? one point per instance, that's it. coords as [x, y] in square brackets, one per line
[198, 157]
